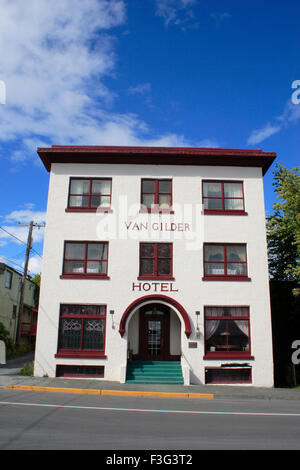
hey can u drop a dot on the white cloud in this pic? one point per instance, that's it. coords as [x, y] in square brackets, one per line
[18, 234]
[54, 57]
[35, 264]
[11, 232]
[208, 143]
[25, 216]
[179, 12]
[259, 135]
[290, 115]
[140, 89]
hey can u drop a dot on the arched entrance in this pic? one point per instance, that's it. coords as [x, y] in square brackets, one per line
[156, 321]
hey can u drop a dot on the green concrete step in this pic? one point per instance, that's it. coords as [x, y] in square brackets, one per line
[155, 372]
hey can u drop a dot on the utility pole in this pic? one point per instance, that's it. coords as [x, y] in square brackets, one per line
[24, 276]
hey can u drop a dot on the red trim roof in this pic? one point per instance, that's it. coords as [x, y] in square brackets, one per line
[155, 156]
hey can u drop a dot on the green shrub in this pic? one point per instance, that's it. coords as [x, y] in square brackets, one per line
[27, 369]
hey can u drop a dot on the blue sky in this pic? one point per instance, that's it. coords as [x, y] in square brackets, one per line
[139, 72]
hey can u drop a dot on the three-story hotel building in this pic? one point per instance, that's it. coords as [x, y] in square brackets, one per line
[155, 266]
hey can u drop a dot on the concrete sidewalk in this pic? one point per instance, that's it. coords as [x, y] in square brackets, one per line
[9, 379]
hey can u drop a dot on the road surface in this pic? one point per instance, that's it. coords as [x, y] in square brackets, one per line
[48, 421]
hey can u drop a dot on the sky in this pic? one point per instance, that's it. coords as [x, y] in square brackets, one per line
[188, 73]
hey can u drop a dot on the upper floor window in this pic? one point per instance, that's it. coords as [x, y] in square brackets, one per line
[89, 194]
[225, 262]
[227, 331]
[156, 260]
[85, 259]
[156, 195]
[8, 279]
[81, 330]
[223, 197]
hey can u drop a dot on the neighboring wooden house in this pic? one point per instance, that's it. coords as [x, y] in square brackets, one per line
[10, 281]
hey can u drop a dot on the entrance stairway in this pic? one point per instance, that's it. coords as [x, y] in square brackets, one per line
[154, 372]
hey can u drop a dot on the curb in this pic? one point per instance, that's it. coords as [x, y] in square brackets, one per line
[110, 392]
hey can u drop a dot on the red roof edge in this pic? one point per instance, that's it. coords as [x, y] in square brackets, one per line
[156, 155]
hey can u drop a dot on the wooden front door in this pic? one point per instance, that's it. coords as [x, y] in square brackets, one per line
[154, 344]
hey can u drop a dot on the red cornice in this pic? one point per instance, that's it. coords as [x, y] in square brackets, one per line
[156, 156]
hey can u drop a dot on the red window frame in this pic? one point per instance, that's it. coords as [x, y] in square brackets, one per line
[89, 207]
[223, 211]
[228, 352]
[84, 274]
[81, 352]
[64, 370]
[155, 258]
[228, 375]
[155, 207]
[225, 262]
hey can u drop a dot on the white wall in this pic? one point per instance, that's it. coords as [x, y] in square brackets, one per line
[123, 264]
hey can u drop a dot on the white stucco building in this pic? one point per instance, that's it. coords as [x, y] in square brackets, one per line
[155, 266]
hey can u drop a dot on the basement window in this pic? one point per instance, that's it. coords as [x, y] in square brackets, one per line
[79, 371]
[228, 375]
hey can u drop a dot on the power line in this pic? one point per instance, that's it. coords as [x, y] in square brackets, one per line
[13, 235]
[35, 225]
[14, 263]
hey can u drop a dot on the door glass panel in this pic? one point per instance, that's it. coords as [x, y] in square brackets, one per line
[154, 337]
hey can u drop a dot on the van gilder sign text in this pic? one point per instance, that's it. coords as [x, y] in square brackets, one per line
[158, 226]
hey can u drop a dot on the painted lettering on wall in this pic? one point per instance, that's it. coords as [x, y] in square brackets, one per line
[154, 286]
[158, 226]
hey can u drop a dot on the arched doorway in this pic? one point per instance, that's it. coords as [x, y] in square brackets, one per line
[155, 328]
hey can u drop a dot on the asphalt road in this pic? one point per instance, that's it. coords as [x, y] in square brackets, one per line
[58, 421]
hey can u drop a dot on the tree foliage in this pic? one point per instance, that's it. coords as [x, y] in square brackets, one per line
[283, 227]
[37, 280]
